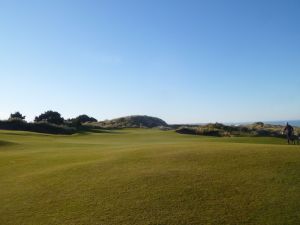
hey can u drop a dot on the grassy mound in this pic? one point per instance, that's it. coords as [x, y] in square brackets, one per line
[133, 122]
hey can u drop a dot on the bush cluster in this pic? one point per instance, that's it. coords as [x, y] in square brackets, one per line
[50, 122]
[41, 127]
[220, 130]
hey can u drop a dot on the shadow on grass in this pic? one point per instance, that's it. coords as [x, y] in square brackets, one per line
[6, 143]
[79, 130]
[86, 131]
[26, 133]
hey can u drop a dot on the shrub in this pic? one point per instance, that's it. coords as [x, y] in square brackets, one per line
[85, 119]
[41, 127]
[220, 130]
[210, 132]
[50, 117]
[186, 130]
[16, 116]
[44, 127]
[267, 133]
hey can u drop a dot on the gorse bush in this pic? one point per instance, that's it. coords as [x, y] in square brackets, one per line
[186, 130]
[264, 133]
[220, 130]
[48, 122]
[41, 127]
[210, 132]
[44, 127]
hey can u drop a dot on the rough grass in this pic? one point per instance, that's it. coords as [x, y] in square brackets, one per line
[137, 176]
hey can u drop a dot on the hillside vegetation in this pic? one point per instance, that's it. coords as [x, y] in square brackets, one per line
[49, 122]
[52, 122]
[133, 122]
[40, 127]
[258, 129]
[147, 176]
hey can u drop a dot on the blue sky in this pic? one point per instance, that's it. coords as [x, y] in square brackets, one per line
[184, 61]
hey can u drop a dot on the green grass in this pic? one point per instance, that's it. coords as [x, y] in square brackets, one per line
[137, 176]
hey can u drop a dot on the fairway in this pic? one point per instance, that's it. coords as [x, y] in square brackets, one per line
[146, 176]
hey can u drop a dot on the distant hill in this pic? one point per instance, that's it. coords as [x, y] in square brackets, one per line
[133, 122]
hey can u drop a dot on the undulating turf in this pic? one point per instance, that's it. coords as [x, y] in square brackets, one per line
[147, 176]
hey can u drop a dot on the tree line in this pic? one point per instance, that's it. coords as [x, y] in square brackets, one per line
[48, 122]
[54, 118]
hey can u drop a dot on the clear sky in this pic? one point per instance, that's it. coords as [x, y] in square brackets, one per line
[183, 61]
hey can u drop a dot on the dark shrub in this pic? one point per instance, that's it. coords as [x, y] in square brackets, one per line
[41, 127]
[186, 130]
[50, 117]
[16, 116]
[267, 133]
[14, 124]
[44, 127]
[85, 118]
[210, 132]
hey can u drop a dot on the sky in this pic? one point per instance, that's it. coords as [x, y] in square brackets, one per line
[185, 61]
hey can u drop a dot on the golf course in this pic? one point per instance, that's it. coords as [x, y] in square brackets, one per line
[147, 176]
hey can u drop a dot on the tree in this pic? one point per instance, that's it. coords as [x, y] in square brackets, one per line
[16, 116]
[75, 123]
[50, 117]
[85, 118]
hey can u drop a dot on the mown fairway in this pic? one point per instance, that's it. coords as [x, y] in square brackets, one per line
[137, 176]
